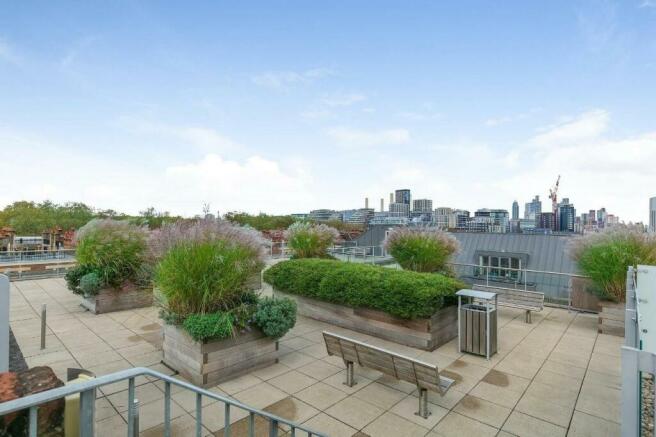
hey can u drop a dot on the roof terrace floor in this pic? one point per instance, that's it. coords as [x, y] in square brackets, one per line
[554, 377]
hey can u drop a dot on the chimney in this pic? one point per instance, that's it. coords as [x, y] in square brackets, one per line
[391, 197]
[366, 202]
[382, 204]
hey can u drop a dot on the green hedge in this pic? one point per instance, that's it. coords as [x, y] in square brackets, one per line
[401, 293]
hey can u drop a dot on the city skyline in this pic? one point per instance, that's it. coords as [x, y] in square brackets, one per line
[262, 107]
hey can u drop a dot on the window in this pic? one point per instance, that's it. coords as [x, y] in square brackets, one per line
[505, 268]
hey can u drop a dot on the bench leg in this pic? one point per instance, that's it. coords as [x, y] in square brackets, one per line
[423, 404]
[349, 374]
[528, 316]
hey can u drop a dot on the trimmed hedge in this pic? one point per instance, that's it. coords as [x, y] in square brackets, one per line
[404, 294]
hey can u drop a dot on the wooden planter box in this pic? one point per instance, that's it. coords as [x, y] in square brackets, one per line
[427, 334]
[212, 362]
[109, 300]
[611, 318]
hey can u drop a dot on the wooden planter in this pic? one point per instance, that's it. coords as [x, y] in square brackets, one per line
[212, 362]
[109, 300]
[427, 334]
[611, 318]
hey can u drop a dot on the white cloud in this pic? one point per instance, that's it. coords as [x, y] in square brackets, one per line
[363, 138]
[343, 99]
[588, 125]
[647, 4]
[284, 79]
[252, 184]
[256, 184]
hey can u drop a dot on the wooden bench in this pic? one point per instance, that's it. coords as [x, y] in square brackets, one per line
[514, 298]
[425, 376]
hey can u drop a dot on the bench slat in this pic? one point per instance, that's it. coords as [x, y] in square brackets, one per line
[510, 297]
[404, 368]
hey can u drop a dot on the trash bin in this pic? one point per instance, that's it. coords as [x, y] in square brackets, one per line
[477, 323]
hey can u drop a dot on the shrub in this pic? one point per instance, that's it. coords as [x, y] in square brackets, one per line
[404, 294]
[606, 256]
[309, 240]
[74, 275]
[115, 250]
[424, 250]
[212, 326]
[90, 284]
[204, 266]
[275, 316]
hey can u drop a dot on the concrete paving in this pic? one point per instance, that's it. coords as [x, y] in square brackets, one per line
[554, 377]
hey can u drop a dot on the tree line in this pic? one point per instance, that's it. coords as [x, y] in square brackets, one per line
[33, 218]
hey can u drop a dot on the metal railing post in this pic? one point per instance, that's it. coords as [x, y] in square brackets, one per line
[167, 409]
[43, 326]
[4, 323]
[631, 333]
[87, 412]
[130, 409]
[34, 422]
[135, 418]
[630, 392]
[199, 415]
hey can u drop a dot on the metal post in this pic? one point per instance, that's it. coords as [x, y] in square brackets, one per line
[459, 333]
[4, 323]
[43, 326]
[349, 374]
[34, 422]
[423, 404]
[131, 389]
[487, 330]
[167, 409]
[273, 428]
[199, 415]
[87, 412]
[135, 418]
[630, 392]
[226, 424]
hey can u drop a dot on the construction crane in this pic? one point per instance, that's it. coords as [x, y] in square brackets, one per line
[553, 195]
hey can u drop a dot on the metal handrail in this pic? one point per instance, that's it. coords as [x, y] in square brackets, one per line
[87, 389]
[574, 275]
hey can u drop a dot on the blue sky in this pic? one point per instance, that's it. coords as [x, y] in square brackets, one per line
[290, 106]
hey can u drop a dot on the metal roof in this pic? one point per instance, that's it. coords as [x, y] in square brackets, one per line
[542, 252]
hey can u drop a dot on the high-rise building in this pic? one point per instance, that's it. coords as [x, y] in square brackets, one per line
[533, 209]
[566, 216]
[397, 209]
[601, 217]
[422, 205]
[402, 196]
[490, 220]
[652, 214]
[441, 218]
[592, 217]
[515, 210]
[546, 221]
